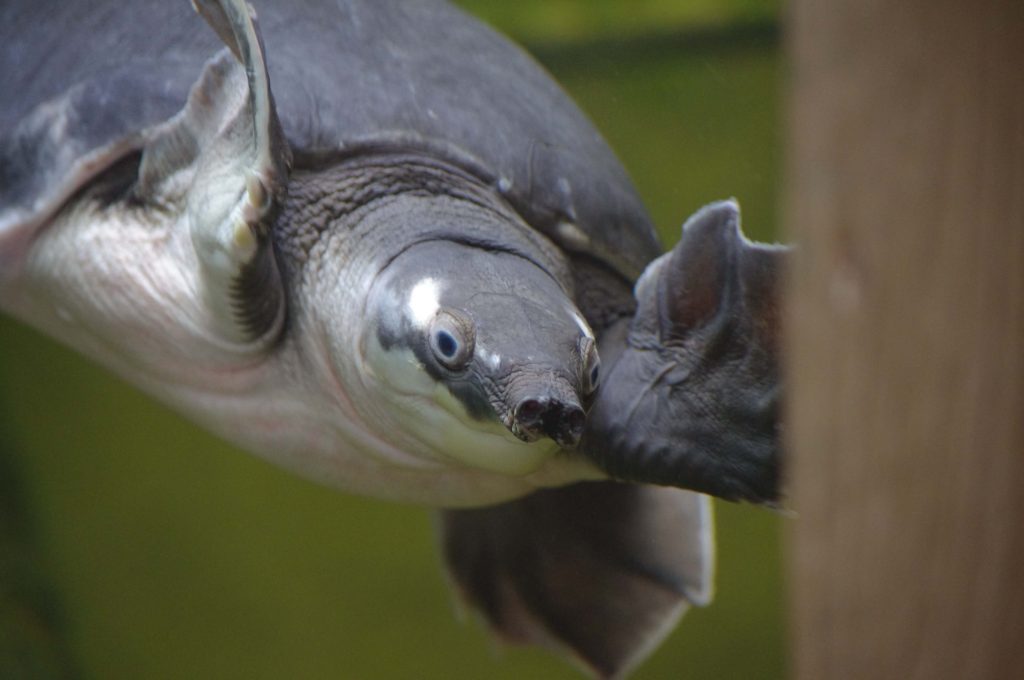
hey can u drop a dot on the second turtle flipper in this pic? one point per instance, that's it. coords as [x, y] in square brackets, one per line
[599, 571]
[691, 395]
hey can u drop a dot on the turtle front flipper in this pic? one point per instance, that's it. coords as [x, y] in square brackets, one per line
[691, 395]
[228, 150]
[599, 570]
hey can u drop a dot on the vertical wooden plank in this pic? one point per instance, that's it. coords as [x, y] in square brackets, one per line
[906, 338]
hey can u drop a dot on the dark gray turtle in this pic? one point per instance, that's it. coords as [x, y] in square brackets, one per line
[395, 275]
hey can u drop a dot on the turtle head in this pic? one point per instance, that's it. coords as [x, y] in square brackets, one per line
[490, 337]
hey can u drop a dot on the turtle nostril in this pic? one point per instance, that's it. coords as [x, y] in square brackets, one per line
[552, 418]
[569, 427]
[573, 420]
[529, 413]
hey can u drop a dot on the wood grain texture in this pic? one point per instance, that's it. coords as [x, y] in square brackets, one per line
[906, 338]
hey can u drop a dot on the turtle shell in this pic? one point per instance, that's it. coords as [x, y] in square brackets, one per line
[92, 78]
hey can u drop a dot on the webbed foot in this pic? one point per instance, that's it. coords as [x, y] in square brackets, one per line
[600, 571]
[691, 393]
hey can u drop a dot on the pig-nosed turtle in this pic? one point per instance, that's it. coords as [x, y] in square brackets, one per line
[395, 274]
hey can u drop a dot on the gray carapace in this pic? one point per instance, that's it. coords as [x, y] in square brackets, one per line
[372, 241]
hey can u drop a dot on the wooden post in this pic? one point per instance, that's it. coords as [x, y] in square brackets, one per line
[906, 338]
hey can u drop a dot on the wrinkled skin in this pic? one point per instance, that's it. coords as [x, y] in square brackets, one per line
[697, 403]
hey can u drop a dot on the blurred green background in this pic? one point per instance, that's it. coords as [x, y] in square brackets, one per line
[134, 545]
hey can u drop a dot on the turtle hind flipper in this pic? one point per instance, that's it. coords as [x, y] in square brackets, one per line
[600, 571]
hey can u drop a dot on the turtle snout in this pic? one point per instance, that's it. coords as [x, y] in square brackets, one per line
[552, 417]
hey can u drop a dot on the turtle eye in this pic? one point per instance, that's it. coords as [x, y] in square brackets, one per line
[591, 366]
[451, 340]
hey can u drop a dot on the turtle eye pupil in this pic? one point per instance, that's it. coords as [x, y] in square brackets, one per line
[447, 344]
[595, 373]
